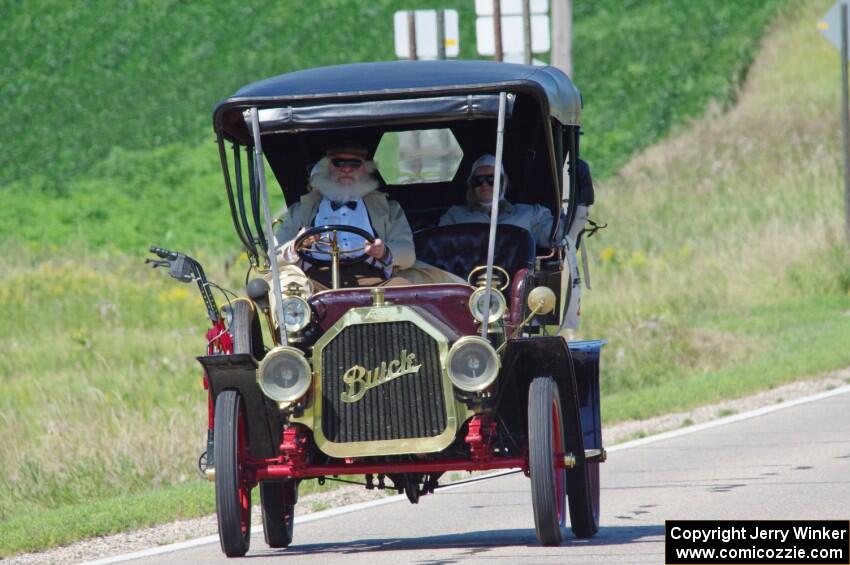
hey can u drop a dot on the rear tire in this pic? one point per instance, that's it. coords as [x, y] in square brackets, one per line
[583, 493]
[545, 439]
[232, 495]
[278, 512]
[245, 329]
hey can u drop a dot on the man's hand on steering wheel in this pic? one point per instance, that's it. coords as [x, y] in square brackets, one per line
[306, 243]
[376, 249]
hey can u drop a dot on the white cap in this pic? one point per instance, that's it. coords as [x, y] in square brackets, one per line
[486, 160]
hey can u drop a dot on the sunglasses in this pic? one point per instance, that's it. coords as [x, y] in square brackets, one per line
[478, 180]
[346, 163]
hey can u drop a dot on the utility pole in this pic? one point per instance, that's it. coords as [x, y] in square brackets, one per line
[497, 29]
[562, 35]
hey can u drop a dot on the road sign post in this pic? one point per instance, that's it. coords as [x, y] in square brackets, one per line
[426, 34]
[441, 35]
[834, 27]
[526, 31]
[411, 36]
[845, 119]
[512, 30]
[497, 29]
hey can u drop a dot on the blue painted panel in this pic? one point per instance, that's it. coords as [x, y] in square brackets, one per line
[586, 356]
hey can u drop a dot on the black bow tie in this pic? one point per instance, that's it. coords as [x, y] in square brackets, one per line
[337, 205]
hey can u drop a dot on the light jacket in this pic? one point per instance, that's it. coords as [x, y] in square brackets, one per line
[386, 215]
[535, 218]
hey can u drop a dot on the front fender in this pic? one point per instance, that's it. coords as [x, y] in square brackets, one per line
[238, 371]
[575, 369]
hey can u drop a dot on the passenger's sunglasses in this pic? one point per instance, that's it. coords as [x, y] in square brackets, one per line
[343, 163]
[478, 180]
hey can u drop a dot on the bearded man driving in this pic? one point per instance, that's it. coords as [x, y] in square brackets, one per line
[344, 192]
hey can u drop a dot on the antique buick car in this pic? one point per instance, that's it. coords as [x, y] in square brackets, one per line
[401, 384]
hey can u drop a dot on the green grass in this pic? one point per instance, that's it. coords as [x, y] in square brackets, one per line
[725, 269]
[680, 56]
[128, 201]
[98, 371]
[34, 530]
[31, 531]
[110, 108]
[140, 75]
[102, 397]
[798, 339]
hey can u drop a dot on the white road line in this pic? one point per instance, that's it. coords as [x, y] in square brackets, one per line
[729, 419]
[398, 498]
[255, 529]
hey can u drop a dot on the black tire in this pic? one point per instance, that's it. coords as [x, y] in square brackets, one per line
[583, 494]
[232, 498]
[245, 329]
[278, 512]
[545, 439]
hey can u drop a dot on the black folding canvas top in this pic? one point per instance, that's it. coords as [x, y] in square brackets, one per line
[369, 94]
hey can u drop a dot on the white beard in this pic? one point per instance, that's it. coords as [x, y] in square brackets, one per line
[338, 192]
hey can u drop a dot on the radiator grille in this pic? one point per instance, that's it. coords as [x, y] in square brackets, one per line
[410, 406]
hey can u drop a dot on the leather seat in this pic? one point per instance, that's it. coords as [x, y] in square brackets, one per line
[459, 248]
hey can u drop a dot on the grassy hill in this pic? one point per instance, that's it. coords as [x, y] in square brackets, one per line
[726, 269]
[109, 104]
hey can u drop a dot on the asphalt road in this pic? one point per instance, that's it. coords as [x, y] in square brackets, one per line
[788, 464]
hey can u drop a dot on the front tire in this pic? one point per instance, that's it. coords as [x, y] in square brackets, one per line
[278, 512]
[232, 495]
[545, 439]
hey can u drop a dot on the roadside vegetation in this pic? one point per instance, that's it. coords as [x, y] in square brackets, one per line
[723, 270]
[110, 109]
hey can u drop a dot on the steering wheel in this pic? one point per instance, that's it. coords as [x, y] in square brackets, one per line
[328, 242]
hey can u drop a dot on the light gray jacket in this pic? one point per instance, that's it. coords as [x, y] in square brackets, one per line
[386, 216]
[535, 218]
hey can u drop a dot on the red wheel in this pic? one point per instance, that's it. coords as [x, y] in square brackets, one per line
[232, 493]
[545, 440]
